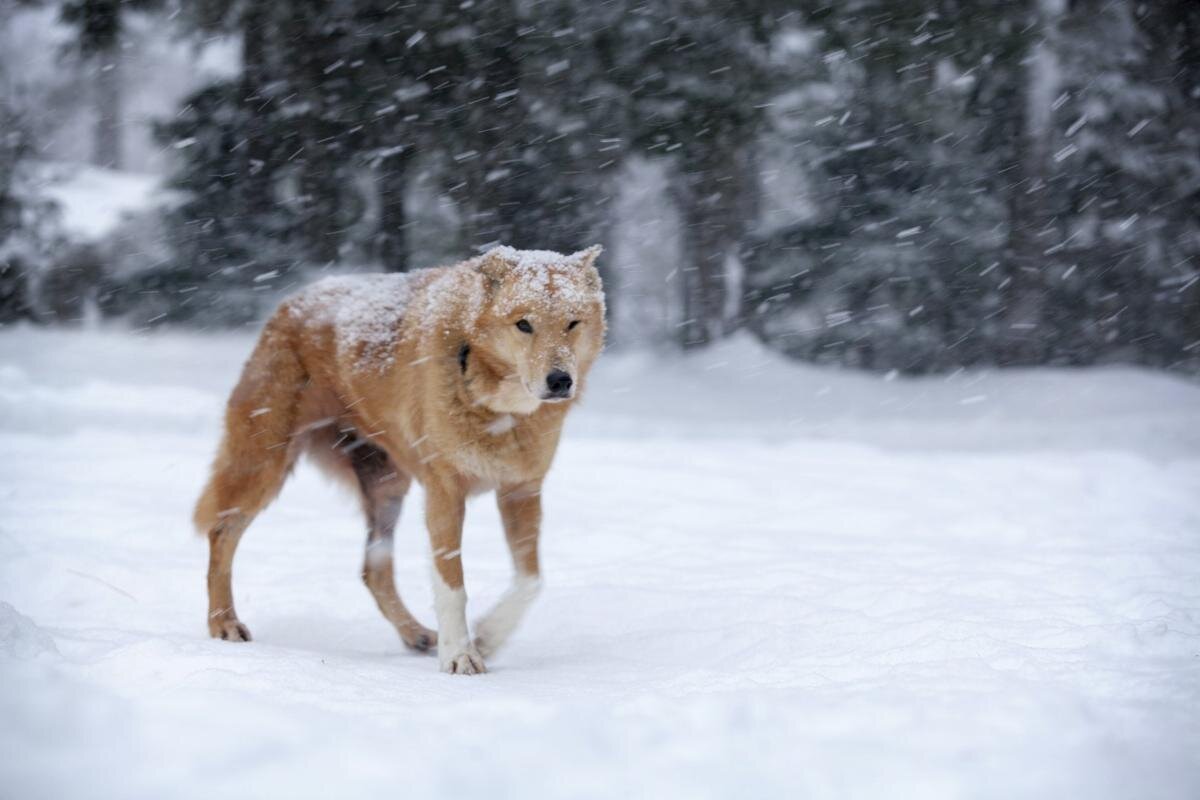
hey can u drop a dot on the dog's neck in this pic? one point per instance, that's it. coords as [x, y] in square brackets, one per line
[483, 389]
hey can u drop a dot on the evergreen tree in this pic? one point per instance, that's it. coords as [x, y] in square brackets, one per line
[1004, 183]
[99, 26]
[898, 266]
[1125, 178]
[696, 74]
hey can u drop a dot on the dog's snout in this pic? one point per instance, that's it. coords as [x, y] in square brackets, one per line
[559, 383]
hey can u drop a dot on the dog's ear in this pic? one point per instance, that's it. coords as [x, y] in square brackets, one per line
[493, 266]
[587, 258]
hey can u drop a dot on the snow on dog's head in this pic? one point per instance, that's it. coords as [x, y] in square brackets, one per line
[540, 326]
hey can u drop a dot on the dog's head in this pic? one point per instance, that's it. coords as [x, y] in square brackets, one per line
[540, 328]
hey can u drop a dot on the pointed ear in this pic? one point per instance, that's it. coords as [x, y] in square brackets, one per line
[587, 258]
[493, 266]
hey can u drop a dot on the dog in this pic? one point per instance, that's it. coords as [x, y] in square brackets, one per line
[458, 377]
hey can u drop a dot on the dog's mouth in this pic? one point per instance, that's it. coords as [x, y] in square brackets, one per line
[547, 395]
[558, 398]
[536, 396]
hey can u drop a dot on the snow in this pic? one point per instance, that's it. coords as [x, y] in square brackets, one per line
[544, 279]
[761, 579]
[94, 200]
[363, 311]
[533, 261]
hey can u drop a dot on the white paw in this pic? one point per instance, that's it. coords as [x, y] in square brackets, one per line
[486, 646]
[465, 662]
[495, 629]
[491, 633]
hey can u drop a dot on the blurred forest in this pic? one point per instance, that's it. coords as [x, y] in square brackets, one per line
[911, 186]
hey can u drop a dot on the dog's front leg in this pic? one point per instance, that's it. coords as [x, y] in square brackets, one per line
[445, 503]
[521, 510]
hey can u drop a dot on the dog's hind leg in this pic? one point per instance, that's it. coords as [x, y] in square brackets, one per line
[255, 455]
[382, 488]
[223, 539]
[241, 494]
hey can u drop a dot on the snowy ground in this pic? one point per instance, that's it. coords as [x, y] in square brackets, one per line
[762, 580]
[93, 201]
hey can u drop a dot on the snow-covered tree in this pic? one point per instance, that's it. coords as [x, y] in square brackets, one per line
[996, 183]
[99, 26]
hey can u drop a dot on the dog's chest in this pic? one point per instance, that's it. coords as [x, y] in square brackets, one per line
[501, 449]
[501, 425]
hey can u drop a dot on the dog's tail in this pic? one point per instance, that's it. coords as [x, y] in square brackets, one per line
[246, 475]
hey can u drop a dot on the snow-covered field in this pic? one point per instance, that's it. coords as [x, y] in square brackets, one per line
[763, 580]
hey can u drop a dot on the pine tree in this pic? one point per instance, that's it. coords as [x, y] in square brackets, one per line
[1126, 182]
[697, 81]
[99, 27]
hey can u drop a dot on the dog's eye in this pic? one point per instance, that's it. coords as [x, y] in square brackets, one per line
[574, 322]
[523, 326]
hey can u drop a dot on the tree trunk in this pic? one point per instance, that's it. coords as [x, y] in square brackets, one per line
[255, 180]
[392, 238]
[704, 252]
[318, 158]
[106, 142]
[1026, 200]
[322, 203]
[506, 189]
[717, 195]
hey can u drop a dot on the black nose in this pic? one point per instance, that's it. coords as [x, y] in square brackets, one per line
[559, 383]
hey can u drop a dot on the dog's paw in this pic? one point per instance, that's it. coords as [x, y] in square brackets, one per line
[489, 636]
[419, 638]
[465, 662]
[485, 646]
[494, 629]
[231, 630]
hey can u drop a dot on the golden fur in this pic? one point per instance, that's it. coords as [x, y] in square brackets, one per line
[425, 376]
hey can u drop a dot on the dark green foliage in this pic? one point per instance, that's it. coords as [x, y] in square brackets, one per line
[952, 227]
[697, 80]
[29, 238]
[953, 209]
